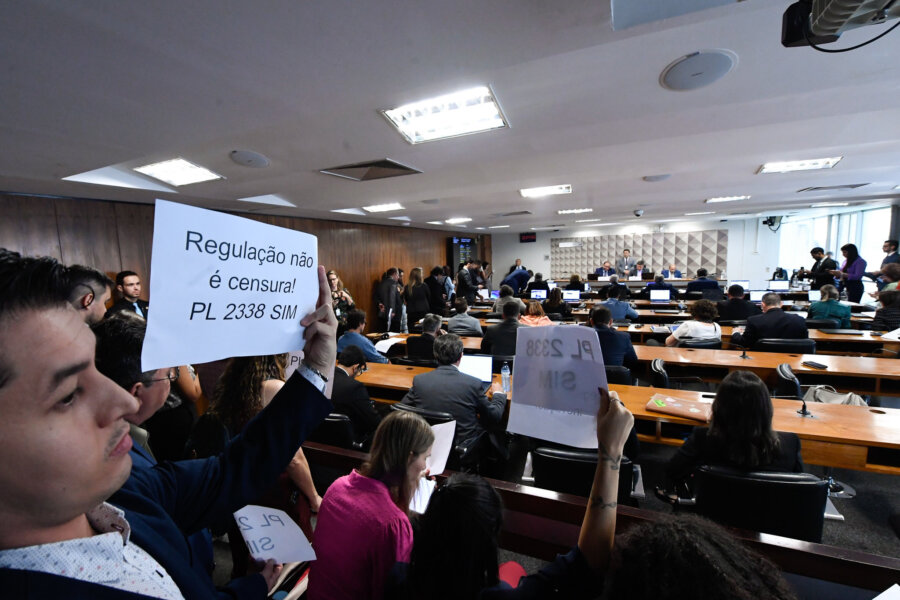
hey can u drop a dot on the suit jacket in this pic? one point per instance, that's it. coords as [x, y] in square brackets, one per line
[616, 347]
[465, 285]
[124, 305]
[436, 295]
[465, 324]
[514, 268]
[500, 339]
[605, 272]
[446, 389]
[736, 309]
[350, 397]
[820, 273]
[623, 263]
[700, 284]
[389, 296]
[537, 285]
[420, 346]
[517, 280]
[623, 290]
[677, 275]
[774, 323]
[164, 503]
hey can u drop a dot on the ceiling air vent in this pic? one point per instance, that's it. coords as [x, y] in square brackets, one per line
[833, 188]
[376, 169]
[517, 213]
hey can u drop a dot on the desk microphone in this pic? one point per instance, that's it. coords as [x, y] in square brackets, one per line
[803, 412]
[744, 353]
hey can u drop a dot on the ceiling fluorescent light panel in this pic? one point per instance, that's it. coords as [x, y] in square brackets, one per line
[574, 211]
[788, 166]
[548, 190]
[377, 208]
[178, 172]
[726, 199]
[457, 220]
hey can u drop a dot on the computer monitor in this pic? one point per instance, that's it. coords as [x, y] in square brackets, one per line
[780, 285]
[660, 296]
[495, 294]
[477, 365]
[551, 284]
[484, 294]
[815, 295]
[744, 283]
[757, 295]
[538, 294]
[587, 287]
[571, 295]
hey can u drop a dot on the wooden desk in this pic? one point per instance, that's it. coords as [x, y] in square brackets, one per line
[866, 375]
[849, 437]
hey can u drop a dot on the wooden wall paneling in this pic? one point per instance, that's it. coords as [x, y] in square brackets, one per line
[134, 226]
[88, 234]
[28, 225]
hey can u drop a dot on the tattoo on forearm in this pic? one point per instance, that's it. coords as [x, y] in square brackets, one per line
[597, 502]
[613, 461]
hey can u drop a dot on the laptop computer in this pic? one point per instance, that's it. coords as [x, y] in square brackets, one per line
[756, 296]
[495, 294]
[551, 284]
[744, 283]
[843, 331]
[648, 275]
[815, 295]
[571, 296]
[592, 276]
[484, 294]
[780, 285]
[660, 296]
[538, 294]
[478, 366]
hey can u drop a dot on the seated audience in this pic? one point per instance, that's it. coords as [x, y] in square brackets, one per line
[89, 291]
[607, 270]
[830, 307]
[534, 315]
[64, 424]
[555, 304]
[350, 397]
[422, 346]
[684, 556]
[659, 283]
[615, 285]
[356, 325]
[619, 310]
[462, 323]
[537, 284]
[507, 297]
[890, 276]
[500, 339]
[701, 327]
[447, 389]
[887, 318]
[773, 323]
[672, 272]
[575, 283]
[615, 345]
[702, 282]
[735, 308]
[517, 280]
[363, 527]
[740, 434]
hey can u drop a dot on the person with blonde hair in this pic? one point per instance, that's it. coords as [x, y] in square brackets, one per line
[341, 300]
[417, 298]
[534, 316]
[363, 526]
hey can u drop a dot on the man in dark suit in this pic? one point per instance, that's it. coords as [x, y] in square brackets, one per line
[350, 396]
[466, 286]
[446, 389]
[537, 284]
[606, 270]
[701, 283]
[517, 280]
[500, 339]
[128, 284]
[389, 301]
[614, 284]
[659, 283]
[438, 300]
[422, 346]
[516, 267]
[735, 308]
[625, 264]
[820, 273]
[615, 345]
[672, 272]
[773, 323]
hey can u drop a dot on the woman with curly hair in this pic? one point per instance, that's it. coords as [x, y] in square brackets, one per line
[701, 327]
[341, 300]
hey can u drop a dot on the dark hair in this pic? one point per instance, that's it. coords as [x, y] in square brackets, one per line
[889, 298]
[538, 276]
[437, 271]
[575, 278]
[894, 243]
[600, 315]
[852, 253]
[120, 339]
[121, 275]
[659, 279]
[457, 534]
[704, 310]
[505, 290]
[736, 291]
[391, 272]
[614, 291]
[689, 557]
[84, 280]
[351, 355]
[891, 270]
[555, 298]
[641, 262]
[741, 423]
[355, 318]
[702, 272]
[461, 305]
[511, 309]
[816, 250]
[448, 349]
[771, 299]
[626, 250]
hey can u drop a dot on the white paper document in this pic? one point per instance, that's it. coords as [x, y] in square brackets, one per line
[443, 444]
[271, 533]
[556, 377]
[385, 345]
[223, 286]
[892, 593]
[419, 501]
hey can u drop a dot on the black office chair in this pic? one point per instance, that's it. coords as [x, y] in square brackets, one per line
[414, 362]
[572, 472]
[706, 344]
[493, 315]
[715, 294]
[554, 316]
[499, 359]
[434, 417]
[788, 346]
[336, 430]
[618, 375]
[786, 504]
[823, 324]
[463, 457]
[660, 377]
[733, 323]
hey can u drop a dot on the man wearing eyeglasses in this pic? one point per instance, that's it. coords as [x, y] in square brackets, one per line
[350, 396]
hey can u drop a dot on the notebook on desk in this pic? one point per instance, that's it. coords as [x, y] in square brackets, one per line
[665, 311]
[842, 331]
[697, 410]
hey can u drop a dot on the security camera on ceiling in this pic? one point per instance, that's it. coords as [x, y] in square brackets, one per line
[814, 22]
[639, 212]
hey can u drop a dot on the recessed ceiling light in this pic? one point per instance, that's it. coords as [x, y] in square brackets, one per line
[457, 220]
[726, 199]
[499, 227]
[825, 204]
[548, 190]
[272, 199]
[118, 177]
[349, 211]
[377, 208]
[178, 172]
[897, 187]
[468, 111]
[694, 214]
[435, 222]
[399, 218]
[587, 220]
[810, 164]
[479, 228]
[574, 211]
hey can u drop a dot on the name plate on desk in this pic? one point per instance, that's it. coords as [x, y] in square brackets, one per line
[558, 371]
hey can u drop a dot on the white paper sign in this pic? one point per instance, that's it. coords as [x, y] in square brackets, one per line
[557, 373]
[271, 533]
[293, 361]
[224, 286]
[443, 444]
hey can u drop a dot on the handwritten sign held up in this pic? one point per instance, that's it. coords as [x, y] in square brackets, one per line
[225, 286]
[557, 372]
[271, 533]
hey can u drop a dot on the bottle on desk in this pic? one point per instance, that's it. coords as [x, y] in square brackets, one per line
[504, 377]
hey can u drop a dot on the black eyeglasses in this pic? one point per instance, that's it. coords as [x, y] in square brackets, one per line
[171, 377]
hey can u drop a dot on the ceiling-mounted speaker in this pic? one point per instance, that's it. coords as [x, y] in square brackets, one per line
[249, 158]
[697, 70]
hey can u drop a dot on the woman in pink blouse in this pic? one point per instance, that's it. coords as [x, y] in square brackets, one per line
[534, 315]
[363, 527]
